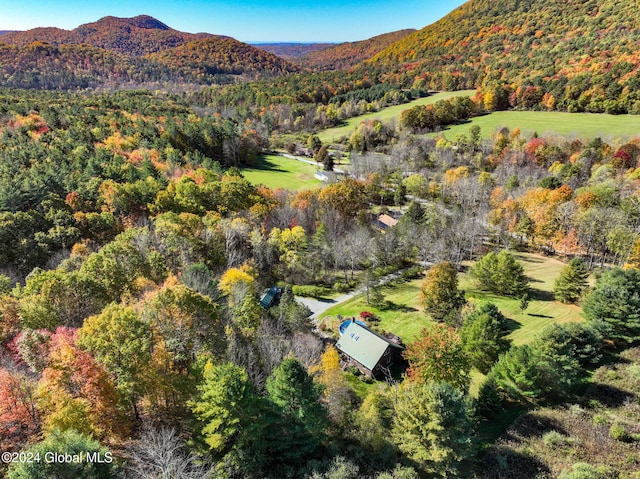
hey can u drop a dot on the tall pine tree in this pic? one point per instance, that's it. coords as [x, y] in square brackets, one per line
[572, 282]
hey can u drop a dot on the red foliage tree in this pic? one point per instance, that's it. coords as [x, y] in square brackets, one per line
[19, 418]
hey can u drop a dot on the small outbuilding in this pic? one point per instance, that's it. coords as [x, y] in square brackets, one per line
[384, 222]
[271, 297]
[370, 352]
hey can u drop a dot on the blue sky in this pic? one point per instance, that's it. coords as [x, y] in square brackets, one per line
[246, 20]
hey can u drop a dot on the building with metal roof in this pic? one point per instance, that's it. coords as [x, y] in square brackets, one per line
[369, 351]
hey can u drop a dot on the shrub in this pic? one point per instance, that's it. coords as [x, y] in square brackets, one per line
[367, 316]
[341, 287]
[600, 419]
[582, 470]
[412, 273]
[619, 433]
[309, 291]
[554, 439]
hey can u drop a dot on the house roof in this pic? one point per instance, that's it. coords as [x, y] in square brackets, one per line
[387, 220]
[363, 345]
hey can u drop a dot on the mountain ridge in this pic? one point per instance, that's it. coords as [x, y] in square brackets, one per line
[137, 49]
[348, 54]
[583, 54]
[138, 36]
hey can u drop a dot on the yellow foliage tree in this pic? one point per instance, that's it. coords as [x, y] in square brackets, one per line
[329, 373]
[633, 261]
[236, 283]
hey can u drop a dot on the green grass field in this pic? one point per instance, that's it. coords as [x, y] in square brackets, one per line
[584, 125]
[543, 310]
[393, 112]
[278, 172]
[405, 318]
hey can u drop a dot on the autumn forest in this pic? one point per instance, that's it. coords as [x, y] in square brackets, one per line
[165, 313]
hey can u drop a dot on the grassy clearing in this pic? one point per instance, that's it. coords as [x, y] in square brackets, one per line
[405, 317]
[393, 112]
[585, 125]
[279, 172]
[543, 310]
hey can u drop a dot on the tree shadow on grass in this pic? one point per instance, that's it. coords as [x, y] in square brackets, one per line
[511, 325]
[267, 165]
[503, 462]
[541, 295]
[609, 396]
[322, 299]
[391, 306]
[529, 259]
[532, 425]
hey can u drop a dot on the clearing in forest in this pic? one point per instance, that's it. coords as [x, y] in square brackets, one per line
[404, 316]
[279, 172]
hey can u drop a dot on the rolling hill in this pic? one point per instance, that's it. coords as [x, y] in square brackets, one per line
[121, 50]
[347, 55]
[584, 55]
[292, 50]
[216, 55]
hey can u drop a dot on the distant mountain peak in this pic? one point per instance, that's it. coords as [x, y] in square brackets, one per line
[141, 21]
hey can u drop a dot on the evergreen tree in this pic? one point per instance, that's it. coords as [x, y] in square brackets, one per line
[303, 418]
[615, 304]
[432, 426]
[535, 371]
[578, 341]
[483, 336]
[227, 406]
[440, 295]
[501, 274]
[489, 402]
[572, 282]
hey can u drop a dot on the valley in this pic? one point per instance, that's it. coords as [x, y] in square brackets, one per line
[459, 204]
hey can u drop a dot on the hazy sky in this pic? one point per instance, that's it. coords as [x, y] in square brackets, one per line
[245, 20]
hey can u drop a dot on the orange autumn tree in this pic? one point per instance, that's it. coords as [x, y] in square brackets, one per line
[75, 392]
[19, 417]
[438, 355]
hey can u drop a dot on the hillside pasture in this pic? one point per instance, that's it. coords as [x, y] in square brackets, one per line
[331, 135]
[278, 172]
[572, 125]
[578, 125]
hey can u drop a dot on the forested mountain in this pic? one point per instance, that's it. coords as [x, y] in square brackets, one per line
[128, 50]
[583, 54]
[135, 36]
[346, 55]
[292, 50]
[216, 55]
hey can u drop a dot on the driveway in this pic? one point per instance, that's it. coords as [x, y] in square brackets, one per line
[319, 306]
